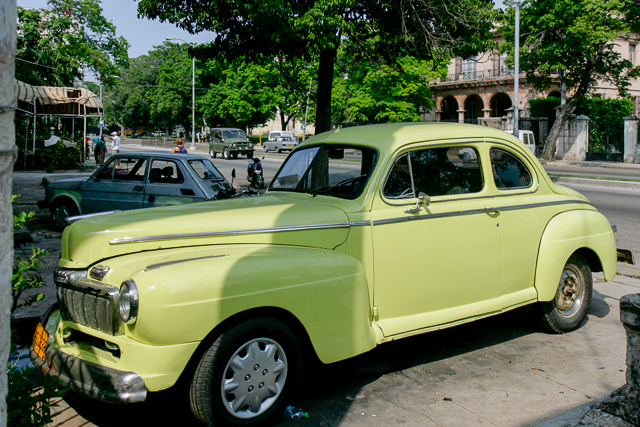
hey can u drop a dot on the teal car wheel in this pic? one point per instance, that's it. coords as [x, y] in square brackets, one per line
[60, 211]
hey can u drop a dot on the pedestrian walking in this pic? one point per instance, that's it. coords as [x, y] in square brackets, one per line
[115, 142]
[99, 149]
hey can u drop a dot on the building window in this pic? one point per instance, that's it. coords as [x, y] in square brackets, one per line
[504, 69]
[632, 53]
[469, 68]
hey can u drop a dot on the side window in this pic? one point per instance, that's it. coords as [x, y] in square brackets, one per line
[166, 172]
[508, 171]
[436, 172]
[398, 185]
[128, 169]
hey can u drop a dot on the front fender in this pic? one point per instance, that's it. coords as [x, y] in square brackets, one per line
[565, 234]
[184, 296]
[74, 195]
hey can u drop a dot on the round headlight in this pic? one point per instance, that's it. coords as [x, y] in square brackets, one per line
[128, 301]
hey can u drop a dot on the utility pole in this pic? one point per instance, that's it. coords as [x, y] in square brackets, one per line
[306, 111]
[516, 72]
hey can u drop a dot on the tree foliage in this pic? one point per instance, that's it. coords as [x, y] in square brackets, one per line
[573, 39]
[54, 46]
[426, 29]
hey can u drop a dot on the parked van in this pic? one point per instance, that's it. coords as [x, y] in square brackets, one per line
[527, 137]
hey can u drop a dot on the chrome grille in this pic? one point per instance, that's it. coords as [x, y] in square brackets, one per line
[91, 304]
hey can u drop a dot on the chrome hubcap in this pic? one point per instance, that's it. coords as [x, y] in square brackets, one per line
[570, 291]
[254, 378]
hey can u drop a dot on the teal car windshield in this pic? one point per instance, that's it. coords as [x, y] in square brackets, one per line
[206, 170]
[340, 171]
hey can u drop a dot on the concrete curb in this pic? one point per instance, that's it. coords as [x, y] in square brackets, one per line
[634, 185]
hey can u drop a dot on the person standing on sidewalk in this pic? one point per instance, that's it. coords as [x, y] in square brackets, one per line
[115, 142]
[99, 149]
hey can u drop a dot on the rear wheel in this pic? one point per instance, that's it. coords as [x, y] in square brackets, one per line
[212, 153]
[258, 181]
[569, 307]
[247, 376]
[60, 211]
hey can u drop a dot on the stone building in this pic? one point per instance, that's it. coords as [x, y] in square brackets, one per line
[482, 87]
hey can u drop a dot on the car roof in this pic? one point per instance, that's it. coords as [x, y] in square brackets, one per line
[390, 137]
[226, 129]
[164, 155]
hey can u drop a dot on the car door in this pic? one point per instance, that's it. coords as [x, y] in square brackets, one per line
[216, 141]
[438, 261]
[170, 183]
[523, 215]
[118, 185]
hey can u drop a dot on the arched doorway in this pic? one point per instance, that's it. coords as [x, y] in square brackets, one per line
[473, 106]
[499, 104]
[554, 94]
[449, 108]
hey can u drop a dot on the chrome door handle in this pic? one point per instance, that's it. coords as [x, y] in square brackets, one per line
[138, 187]
[491, 210]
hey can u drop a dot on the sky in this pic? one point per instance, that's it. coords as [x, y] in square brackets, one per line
[142, 34]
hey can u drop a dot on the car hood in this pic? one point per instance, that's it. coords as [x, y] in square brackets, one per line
[69, 183]
[236, 141]
[286, 219]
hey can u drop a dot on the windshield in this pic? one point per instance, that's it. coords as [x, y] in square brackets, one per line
[206, 170]
[233, 133]
[339, 171]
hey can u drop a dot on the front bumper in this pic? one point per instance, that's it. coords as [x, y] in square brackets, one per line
[91, 379]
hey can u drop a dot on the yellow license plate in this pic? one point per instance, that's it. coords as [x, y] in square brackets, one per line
[40, 340]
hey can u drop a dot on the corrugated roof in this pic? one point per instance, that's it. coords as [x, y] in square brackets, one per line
[57, 100]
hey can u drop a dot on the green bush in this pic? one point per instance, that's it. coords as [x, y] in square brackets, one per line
[29, 399]
[49, 158]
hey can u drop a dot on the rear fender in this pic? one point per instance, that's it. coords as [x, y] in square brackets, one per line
[587, 231]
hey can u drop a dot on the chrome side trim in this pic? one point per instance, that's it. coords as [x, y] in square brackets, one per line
[142, 239]
[475, 211]
[163, 264]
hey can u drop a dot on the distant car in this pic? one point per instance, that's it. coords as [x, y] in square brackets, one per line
[136, 180]
[158, 133]
[280, 140]
[526, 136]
[229, 142]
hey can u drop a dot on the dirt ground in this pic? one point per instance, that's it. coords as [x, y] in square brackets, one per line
[38, 233]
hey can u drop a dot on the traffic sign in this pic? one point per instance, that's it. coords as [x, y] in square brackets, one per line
[101, 123]
[303, 127]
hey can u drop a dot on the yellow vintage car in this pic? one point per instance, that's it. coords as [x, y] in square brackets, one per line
[365, 235]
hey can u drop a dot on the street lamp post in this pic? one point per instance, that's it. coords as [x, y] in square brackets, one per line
[193, 90]
[516, 72]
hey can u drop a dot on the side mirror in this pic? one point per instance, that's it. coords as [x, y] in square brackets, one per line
[233, 173]
[423, 199]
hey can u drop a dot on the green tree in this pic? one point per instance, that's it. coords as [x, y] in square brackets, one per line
[571, 42]
[243, 98]
[384, 93]
[55, 46]
[315, 30]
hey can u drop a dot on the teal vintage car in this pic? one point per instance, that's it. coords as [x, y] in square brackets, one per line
[365, 235]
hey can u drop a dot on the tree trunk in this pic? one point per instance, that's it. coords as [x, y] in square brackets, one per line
[565, 112]
[325, 84]
[8, 96]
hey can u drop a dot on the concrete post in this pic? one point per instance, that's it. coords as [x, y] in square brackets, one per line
[631, 154]
[578, 150]
[625, 402]
[8, 96]
[461, 116]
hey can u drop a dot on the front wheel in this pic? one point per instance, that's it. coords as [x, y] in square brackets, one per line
[249, 154]
[569, 307]
[258, 181]
[247, 376]
[225, 153]
[212, 153]
[60, 211]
